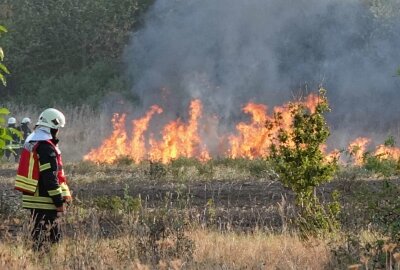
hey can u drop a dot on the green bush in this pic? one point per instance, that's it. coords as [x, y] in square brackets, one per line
[382, 167]
[115, 203]
[297, 158]
[184, 162]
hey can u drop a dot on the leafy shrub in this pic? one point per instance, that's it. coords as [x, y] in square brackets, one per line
[3, 68]
[383, 167]
[297, 158]
[157, 170]
[118, 204]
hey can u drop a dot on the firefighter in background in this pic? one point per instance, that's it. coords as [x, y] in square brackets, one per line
[41, 178]
[13, 146]
[26, 131]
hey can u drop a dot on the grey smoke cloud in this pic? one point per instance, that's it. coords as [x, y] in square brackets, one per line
[229, 52]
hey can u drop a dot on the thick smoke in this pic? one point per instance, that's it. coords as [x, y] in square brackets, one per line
[229, 52]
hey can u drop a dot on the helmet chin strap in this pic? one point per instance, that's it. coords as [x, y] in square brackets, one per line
[54, 133]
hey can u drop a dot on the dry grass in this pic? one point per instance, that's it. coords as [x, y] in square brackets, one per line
[259, 251]
[213, 250]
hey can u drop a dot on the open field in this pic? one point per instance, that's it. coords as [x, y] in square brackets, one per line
[189, 216]
[199, 134]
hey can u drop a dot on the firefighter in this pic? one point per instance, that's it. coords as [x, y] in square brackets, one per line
[26, 131]
[41, 179]
[13, 146]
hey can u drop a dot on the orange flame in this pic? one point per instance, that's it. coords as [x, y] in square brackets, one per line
[312, 102]
[357, 149]
[332, 156]
[137, 146]
[253, 139]
[180, 139]
[387, 152]
[112, 147]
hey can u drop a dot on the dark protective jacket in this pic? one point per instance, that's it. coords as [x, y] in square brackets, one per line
[25, 131]
[41, 176]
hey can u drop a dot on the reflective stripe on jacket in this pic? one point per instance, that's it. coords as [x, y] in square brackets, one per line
[28, 176]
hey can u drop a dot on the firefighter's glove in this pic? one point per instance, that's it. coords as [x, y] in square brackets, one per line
[61, 210]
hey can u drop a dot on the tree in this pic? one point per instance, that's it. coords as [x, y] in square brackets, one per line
[3, 111]
[74, 41]
[297, 158]
[3, 68]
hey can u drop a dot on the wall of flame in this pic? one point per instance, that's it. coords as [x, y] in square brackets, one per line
[180, 138]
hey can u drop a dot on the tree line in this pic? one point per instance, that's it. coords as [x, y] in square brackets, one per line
[67, 49]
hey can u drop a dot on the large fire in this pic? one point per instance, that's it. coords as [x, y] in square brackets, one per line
[191, 138]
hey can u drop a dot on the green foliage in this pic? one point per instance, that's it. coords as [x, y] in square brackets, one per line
[4, 131]
[69, 34]
[89, 84]
[297, 158]
[211, 211]
[157, 170]
[118, 204]
[184, 162]
[380, 164]
[3, 68]
[382, 167]
[52, 42]
[371, 207]
[256, 167]
[125, 204]
[383, 208]
[390, 142]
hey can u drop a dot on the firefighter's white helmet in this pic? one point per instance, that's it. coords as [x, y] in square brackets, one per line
[12, 120]
[26, 120]
[51, 118]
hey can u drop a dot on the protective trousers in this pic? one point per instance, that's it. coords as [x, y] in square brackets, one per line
[46, 228]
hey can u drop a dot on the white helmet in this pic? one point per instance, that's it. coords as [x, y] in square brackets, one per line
[51, 118]
[12, 120]
[26, 120]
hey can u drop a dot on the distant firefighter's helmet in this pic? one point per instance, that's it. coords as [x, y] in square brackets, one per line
[12, 120]
[51, 118]
[26, 120]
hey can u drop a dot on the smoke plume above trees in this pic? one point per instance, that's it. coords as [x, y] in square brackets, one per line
[229, 52]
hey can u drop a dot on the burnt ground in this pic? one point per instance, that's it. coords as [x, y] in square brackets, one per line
[222, 192]
[246, 203]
